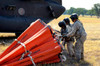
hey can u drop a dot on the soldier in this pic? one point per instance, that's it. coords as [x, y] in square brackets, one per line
[68, 25]
[80, 36]
[63, 31]
[71, 40]
[68, 41]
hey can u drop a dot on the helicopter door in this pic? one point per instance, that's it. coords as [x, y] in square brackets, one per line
[9, 10]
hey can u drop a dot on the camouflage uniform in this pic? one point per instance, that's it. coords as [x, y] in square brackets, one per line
[80, 35]
[68, 41]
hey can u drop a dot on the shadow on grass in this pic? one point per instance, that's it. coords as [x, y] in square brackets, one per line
[69, 62]
[73, 62]
[7, 40]
[93, 39]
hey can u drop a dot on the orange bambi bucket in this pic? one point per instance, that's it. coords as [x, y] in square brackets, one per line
[54, 59]
[36, 40]
[30, 31]
[38, 57]
[41, 48]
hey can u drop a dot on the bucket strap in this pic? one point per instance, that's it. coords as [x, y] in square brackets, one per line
[23, 55]
[25, 52]
[22, 45]
[32, 59]
[63, 58]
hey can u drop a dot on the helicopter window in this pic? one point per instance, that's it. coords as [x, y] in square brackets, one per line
[10, 7]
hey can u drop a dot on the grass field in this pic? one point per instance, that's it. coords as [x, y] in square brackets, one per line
[91, 46]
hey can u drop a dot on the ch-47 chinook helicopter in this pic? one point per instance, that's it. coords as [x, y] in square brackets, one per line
[17, 15]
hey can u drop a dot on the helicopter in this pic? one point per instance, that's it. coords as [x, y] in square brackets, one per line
[17, 15]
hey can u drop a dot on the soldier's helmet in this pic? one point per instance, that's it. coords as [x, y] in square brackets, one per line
[62, 24]
[67, 20]
[74, 16]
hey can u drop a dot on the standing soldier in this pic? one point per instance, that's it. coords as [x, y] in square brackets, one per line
[69, 41]
[80, 35]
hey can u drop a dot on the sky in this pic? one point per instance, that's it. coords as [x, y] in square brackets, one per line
[87, 4]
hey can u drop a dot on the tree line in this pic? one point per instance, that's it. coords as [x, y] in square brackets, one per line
[95, 10]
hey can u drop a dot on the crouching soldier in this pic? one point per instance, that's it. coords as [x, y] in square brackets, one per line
[80, 36]
[71, 41]
[66, 40]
